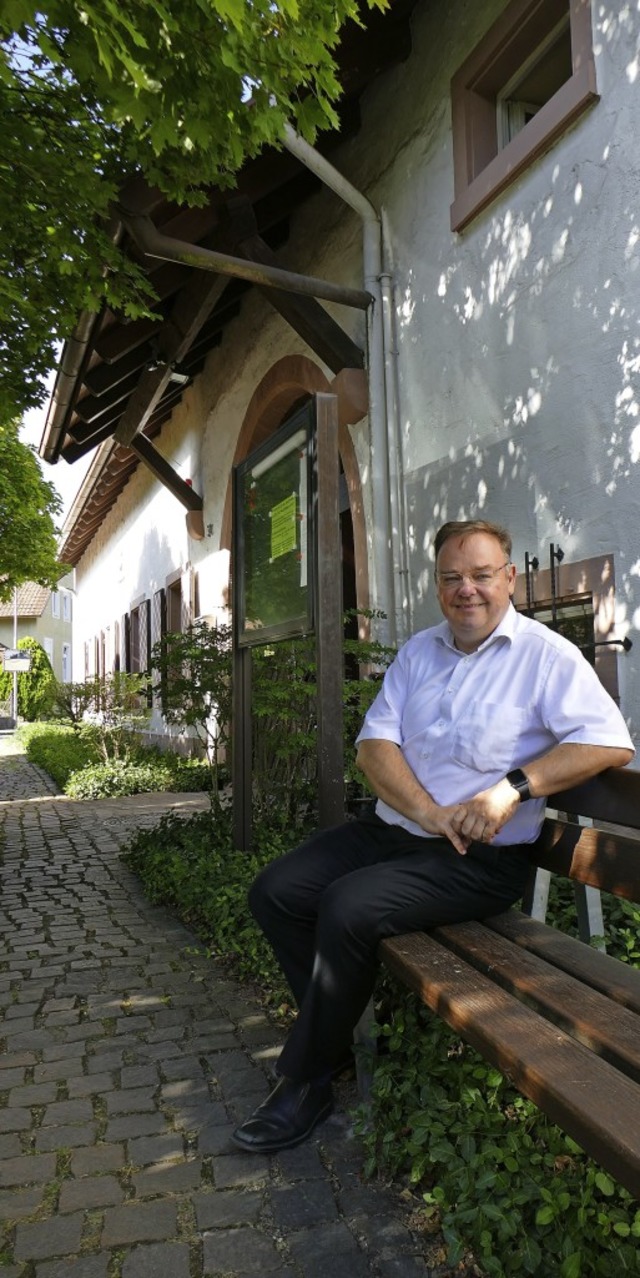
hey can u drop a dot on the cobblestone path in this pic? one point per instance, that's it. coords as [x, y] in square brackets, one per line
[126, 1058]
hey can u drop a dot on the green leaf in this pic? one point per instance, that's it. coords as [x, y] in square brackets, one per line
[545, 1215]
[605, 1184]
[572, 1265]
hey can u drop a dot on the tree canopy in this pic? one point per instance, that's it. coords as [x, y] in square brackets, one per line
[92, 91]
[28, 505]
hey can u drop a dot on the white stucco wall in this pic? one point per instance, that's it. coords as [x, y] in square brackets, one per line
[519, 345]
[518, 341]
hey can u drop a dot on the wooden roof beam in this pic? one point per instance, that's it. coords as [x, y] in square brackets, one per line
[144, 449]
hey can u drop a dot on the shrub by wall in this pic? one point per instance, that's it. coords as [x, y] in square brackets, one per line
[57, 749]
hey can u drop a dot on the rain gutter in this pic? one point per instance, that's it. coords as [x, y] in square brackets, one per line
[388, 540]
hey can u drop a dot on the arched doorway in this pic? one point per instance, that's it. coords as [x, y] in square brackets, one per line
[286, 386]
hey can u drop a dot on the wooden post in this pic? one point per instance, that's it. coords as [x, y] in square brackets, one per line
[329, 622]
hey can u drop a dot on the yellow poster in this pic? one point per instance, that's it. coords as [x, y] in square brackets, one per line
[284, 527]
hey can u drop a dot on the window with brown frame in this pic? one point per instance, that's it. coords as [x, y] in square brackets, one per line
[530, 77]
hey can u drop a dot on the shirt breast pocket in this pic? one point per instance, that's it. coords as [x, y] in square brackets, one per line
[487, 737]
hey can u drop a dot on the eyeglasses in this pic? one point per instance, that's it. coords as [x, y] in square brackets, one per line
[483, 577]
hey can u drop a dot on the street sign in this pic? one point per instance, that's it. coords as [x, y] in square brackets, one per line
[15, 659]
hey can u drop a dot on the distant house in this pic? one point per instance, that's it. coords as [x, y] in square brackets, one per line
[478, 208]
[45, 615]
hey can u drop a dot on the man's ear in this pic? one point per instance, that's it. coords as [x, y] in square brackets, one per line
[513, 572]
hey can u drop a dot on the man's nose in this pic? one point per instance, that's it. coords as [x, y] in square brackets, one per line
[467, 586]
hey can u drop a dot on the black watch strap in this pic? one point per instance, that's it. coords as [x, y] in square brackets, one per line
[520, 782]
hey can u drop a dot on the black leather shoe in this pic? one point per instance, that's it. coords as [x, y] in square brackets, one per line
[286, 1118]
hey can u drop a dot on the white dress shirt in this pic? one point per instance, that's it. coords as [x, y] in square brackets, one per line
[463, 720]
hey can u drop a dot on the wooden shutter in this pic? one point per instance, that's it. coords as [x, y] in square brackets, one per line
[158, 629]
[125, 653]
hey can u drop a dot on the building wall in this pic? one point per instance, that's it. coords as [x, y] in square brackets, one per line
[518, 349]
[54, 633]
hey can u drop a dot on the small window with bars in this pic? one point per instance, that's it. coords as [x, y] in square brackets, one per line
[571, 616]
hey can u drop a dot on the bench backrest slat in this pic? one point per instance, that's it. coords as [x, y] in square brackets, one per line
[612, 796]
[599, 858]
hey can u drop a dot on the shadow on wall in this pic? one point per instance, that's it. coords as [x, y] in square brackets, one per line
[532, 399]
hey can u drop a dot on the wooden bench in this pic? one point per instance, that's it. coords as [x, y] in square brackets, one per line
[558, 1017]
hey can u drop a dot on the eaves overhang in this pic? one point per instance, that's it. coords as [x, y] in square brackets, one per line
[120, 380]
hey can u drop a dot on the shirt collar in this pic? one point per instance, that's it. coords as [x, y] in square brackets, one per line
[505, 630]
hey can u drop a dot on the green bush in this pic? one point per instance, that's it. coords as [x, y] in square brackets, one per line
[36, 688]
[192, 867]
[138, 775]
[73, 758]
[58, 749]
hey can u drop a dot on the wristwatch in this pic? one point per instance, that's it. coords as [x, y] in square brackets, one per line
[520, 782]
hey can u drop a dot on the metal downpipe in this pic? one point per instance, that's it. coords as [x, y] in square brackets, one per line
[379, 392]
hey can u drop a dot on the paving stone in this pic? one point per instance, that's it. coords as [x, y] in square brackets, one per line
[131, 1125]
[186, 1090]
[168, 1178]
[84, 1267]
[69, 1111]
[15, 1120]
[33, 1094]
[104, 1062]
[171, 1260]
[18, 1204]
[302, 1163]
[10, 1146]
[18, 1027]
[382, 1232]
[89, 1085]
[403, 1267]
[139, 1222]
[49, 1138]
[315, 1248]
[27, 1170]
[216, 1139]
[134, 1100]
[195, 1118]
[59, 1070]
[240, 1251]
[139, 1076]
[303, 1205]
[241, 1170]
[97, 1158]
[218, 1209]
[63, 1052]
[155, 1149]
[16, 1010]
[89, 1193]
[11, 1078]
[59, 1236]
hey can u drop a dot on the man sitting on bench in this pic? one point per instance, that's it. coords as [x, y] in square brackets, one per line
[478, 720]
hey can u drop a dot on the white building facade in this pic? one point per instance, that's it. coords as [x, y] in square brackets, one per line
[502, 359]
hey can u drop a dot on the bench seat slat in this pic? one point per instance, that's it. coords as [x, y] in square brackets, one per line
[611, 1031]
[618, 981]
[584, 1094]
[599, 858]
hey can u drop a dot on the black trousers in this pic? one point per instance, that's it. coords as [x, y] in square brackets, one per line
[326, 906]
